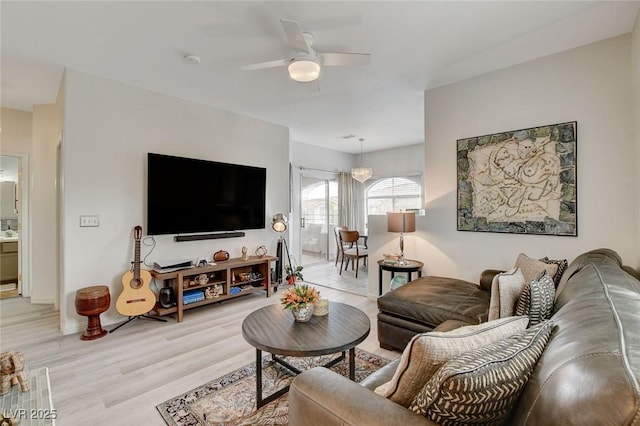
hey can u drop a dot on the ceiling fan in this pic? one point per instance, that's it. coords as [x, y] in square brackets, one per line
[305, 64]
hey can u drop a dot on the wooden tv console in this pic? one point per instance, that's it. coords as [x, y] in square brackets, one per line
[229, 273]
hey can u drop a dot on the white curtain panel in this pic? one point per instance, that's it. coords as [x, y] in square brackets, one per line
[351, 202]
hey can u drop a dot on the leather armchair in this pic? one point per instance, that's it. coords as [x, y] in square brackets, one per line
[320, 397]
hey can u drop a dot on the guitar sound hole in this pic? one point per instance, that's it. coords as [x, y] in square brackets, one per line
[136, 283]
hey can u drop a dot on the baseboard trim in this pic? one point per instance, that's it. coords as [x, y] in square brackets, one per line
[42, 301]
[73, 328]
[80, 325]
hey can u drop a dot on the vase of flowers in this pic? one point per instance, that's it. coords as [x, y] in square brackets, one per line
[299, 300]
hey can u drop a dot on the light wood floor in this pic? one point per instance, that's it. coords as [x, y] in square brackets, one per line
[327, 274]
[120, 378]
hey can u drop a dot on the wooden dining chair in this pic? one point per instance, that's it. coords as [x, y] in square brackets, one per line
[354, 253]
[336, 233]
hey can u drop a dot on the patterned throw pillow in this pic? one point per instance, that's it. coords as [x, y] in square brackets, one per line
[562, 266]
[505, 291]
[532, 268]
[537, 299]
[427, 352]
[483, 385]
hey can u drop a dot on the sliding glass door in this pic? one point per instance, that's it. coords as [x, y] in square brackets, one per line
[318, 216]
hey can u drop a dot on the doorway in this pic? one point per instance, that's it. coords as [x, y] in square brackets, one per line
[11, 237]
[318, 216]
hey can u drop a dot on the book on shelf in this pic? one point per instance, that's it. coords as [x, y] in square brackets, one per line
[192, 296]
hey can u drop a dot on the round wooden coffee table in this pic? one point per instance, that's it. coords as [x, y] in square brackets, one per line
[273, 329]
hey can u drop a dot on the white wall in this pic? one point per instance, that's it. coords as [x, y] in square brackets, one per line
[401, 161]
[385, 163]
[316, 157]
[635, 75]
[16, 131]
[591, 85]
[381, 242]
[109, 128]
[47, 122]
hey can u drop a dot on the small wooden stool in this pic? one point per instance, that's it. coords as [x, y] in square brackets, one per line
[91, 302]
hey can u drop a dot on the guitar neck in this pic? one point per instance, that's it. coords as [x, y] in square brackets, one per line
[137, 236]
[136, 261]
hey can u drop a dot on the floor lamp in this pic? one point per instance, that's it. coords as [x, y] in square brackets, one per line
[279, 224]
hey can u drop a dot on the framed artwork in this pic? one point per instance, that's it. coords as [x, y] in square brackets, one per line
[521, 181]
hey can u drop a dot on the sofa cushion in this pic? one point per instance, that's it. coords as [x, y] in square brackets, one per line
[505, 291]
[532, 268]
[432, 300]
[537, 299]
[483, 385]
[427, 352]
[562, 266]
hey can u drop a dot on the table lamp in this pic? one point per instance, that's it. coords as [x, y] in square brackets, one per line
[401, 222]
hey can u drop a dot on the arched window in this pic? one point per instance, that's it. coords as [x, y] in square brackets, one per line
[394, 194]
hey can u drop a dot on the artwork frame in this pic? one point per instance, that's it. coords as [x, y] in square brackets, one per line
[519, 181]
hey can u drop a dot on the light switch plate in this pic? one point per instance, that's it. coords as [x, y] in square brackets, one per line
[88, 221]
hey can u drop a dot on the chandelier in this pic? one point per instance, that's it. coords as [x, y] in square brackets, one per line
[361, 174]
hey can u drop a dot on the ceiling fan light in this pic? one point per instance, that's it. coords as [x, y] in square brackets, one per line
[304, 70]
[361, 174]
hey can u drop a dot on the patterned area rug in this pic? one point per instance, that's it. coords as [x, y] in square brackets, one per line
[231, 399]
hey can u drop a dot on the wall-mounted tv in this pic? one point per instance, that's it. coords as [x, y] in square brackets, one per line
[187, 195]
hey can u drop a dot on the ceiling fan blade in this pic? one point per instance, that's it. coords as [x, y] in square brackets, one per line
[295, 36]
[345, 59]
[263, 65]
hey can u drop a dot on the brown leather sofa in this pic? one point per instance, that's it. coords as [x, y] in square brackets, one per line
[426, 303]
[589, 373]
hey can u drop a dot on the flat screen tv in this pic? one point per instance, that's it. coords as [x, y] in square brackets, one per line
[187, 195]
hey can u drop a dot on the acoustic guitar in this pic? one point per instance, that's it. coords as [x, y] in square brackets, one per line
[136, 297]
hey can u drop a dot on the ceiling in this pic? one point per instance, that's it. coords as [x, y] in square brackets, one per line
[414, 46]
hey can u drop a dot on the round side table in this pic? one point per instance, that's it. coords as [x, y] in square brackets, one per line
[91, 302]
[409, 267]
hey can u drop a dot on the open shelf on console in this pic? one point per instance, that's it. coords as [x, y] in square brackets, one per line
[227, 274]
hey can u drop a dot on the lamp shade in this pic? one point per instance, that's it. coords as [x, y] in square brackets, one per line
[279, 222]
[401, 222]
